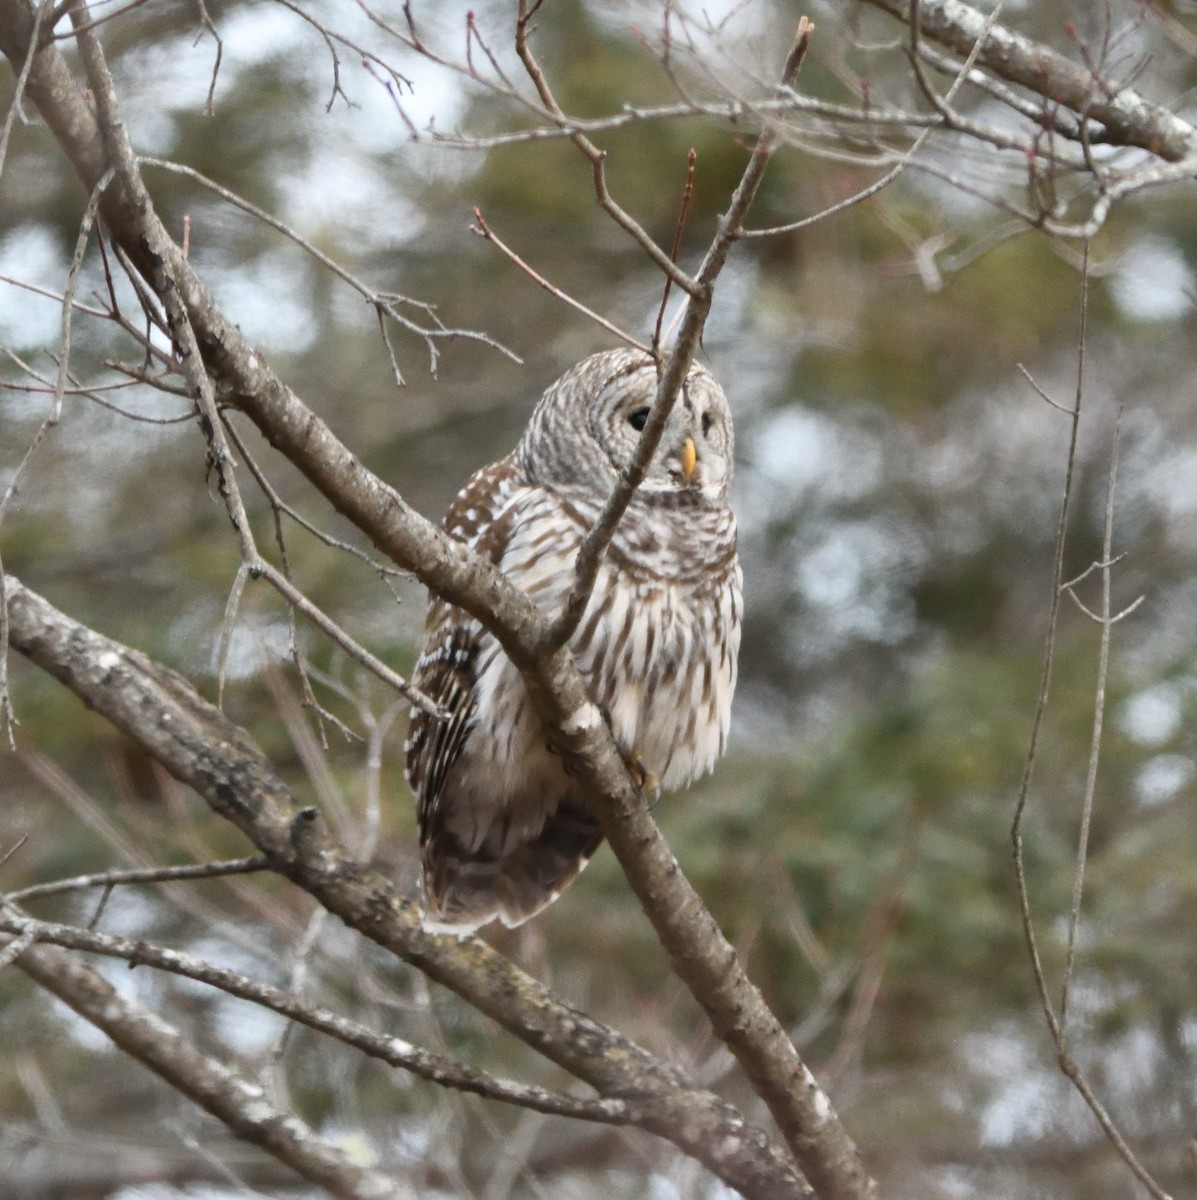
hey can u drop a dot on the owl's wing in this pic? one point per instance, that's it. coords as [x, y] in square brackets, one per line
[493, 848]
[446, 671]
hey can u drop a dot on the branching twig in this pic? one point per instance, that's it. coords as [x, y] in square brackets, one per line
[595, 544]
[1056, 1021]
[1099, 709]
[386, 304]
[1045, 681]
[596, 157]
[8, 719]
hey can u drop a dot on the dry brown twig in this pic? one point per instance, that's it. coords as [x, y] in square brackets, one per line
[387, 305]
[483, 230]
[1057, 1019]
[8, 718]
[14, 107]
[699, 294]
[139, 875]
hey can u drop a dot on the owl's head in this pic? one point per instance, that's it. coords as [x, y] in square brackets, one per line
[586, 426]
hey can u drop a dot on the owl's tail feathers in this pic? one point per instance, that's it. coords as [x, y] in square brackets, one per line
[465, 890]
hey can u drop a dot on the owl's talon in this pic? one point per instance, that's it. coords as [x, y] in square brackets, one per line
[646, 782]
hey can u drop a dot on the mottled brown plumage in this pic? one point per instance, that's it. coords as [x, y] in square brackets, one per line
[503, 828]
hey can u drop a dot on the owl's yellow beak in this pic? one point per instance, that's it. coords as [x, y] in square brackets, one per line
[689, 457]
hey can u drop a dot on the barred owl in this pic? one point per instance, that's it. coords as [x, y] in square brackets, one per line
[503, 827]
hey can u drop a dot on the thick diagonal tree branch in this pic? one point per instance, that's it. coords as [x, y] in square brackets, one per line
[197, 744]
[700, 954]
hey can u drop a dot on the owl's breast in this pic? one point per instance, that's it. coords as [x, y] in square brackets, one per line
[660, 654]
[660, 636]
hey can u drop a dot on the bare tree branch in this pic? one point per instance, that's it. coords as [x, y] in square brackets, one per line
[1128, 119]
[118, 878]
[394, 1051]
[239, 1104]
[1056, 1019]
[484, 230]
[386, 304]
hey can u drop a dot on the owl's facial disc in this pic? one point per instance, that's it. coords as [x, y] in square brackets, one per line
[694, 451]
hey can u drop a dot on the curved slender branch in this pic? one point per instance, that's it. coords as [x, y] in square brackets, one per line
[116, 878]
[394, 1051]
[239, 1104]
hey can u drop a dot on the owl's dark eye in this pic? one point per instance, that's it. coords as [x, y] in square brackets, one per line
[706, 423]
[638, 419]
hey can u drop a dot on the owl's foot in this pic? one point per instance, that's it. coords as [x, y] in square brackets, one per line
[646, 781]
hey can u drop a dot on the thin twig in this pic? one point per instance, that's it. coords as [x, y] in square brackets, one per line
[483, 230]
[280, 505]
[683, 213]
[1055, 1023]
[1049, 650]
[596, 157]
[962, 73]
[231, 608]
[1099, 709]
[14, 106]
[8, 717]
[119, 877]
[207, 25]
[89, 26]
[594, 545]
[387, 304]
[298, 600]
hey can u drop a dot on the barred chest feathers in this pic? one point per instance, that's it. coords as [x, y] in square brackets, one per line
[658, 642]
